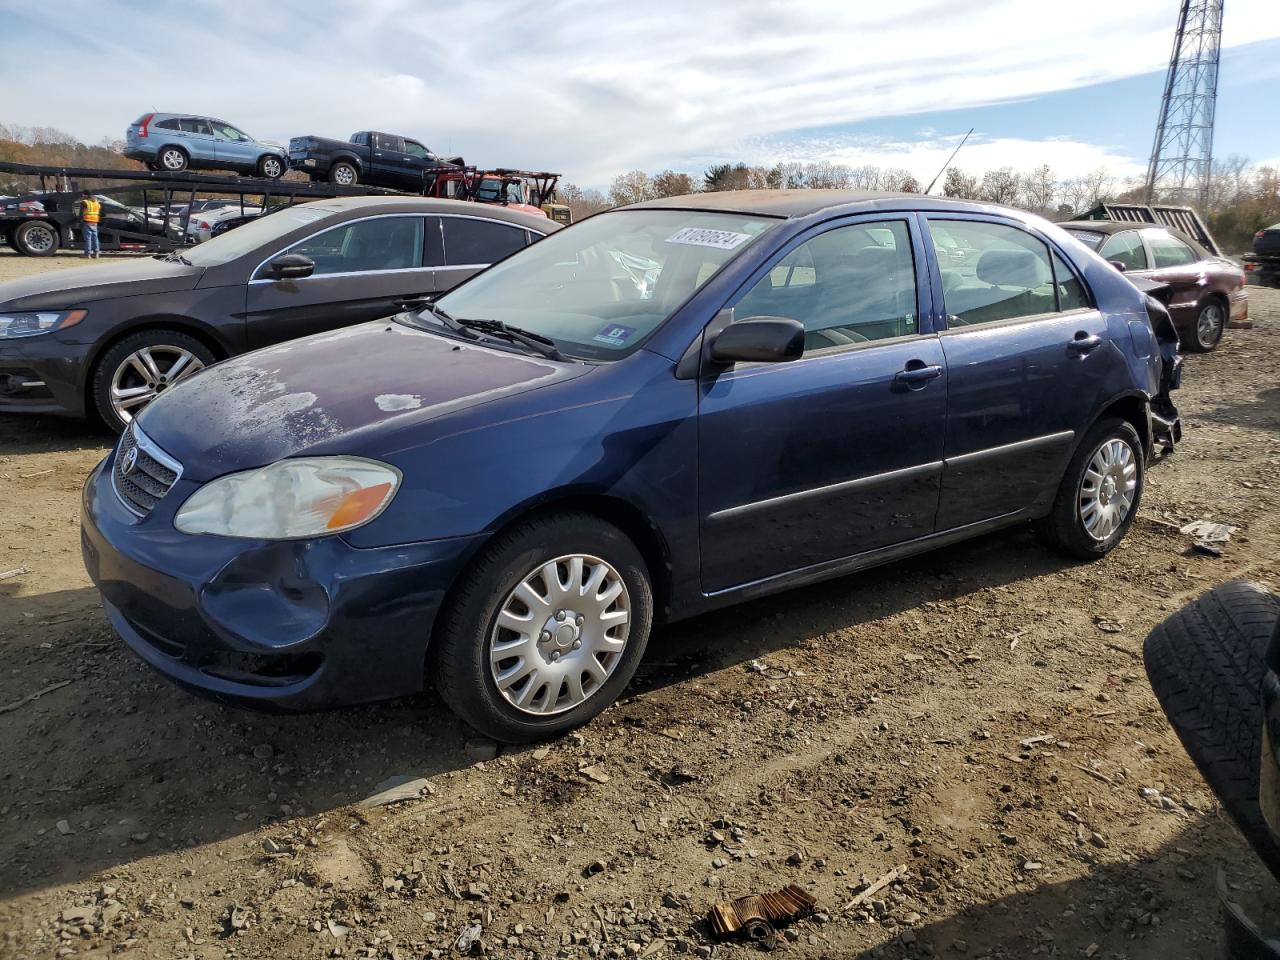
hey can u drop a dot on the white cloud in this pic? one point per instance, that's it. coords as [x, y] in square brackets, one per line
[589, 87]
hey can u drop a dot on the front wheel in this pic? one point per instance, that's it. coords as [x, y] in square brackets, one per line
[1211, 321]
[544, 629]
[1099, 493]
[141, 367]
[271, 167]
[343, 174]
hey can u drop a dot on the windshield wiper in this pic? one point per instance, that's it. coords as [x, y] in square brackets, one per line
[534, 341]
[417, 305]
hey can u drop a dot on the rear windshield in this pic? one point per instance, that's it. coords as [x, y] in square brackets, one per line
[1090, 238]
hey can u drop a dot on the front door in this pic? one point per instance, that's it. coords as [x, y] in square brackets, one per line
[362, 269]
[234, 148]
[1029, 361]
[840, 452]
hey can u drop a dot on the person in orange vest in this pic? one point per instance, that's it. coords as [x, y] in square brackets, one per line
[90, 213]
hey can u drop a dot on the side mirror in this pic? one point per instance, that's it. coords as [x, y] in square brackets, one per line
[759, 339]
[292, 266]
[1118, 264]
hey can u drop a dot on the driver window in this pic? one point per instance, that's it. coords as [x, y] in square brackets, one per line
[847, 286]
[1125, 247]
[415, 150]
[224, 131]
[382, 243]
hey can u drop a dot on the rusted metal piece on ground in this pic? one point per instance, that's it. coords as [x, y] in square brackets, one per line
[758, 917]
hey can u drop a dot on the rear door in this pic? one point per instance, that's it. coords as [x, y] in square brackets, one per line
[469, 244]
[840, 452]
[362, 269]
[1028, 360]
[197, 137]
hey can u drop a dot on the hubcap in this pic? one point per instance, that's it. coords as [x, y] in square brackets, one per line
[344, 176]
[146, 374]
[560, 634]
[1209, 326]
[172, 159]
[271, 168]
[40, 239]
[1108, 489]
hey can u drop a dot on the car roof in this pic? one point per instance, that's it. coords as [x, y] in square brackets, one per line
[803, 203]
[431, 205]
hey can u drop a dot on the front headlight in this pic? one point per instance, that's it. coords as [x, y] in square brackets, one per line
[291, 499]
[35, 322]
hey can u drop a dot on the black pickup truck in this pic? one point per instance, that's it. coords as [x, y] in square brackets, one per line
[378, 159]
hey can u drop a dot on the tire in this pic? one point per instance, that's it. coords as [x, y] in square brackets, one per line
[459, 662]
[165, 347]
[1206, 663]
[271, 167]
[1211, 323]
[35, 238]
[344, 174]
[172, 160]
[1065, 528]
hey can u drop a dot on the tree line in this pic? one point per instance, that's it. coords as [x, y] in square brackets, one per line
[1243, 197]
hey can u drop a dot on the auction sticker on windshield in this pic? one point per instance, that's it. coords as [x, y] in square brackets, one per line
[702, 237]
[615, 335]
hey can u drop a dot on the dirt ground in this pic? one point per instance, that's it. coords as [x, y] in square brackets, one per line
[979, 717]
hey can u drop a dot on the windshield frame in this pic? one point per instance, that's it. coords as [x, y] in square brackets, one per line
[574, 350]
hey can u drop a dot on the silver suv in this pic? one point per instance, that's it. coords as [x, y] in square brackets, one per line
[174, 142]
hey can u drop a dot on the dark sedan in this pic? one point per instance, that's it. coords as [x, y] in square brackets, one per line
[1208, 291]
[112, 337]
[658, 411]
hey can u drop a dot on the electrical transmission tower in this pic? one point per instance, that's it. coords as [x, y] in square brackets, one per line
[1182, 155]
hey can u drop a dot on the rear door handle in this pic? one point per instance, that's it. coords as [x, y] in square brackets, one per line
[917, 373]
[1084, 342]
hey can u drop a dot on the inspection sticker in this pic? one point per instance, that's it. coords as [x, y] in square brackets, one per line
[615, 335]
[702, 237]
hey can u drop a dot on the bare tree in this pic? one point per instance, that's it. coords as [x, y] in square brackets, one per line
[961, 185]
[1000, 186]
[672, 184]
[1039, 188]
[867, 177]
[581, 203]
[828, 176]
[631, 187]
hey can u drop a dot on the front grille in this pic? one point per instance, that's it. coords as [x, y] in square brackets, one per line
[143, 473]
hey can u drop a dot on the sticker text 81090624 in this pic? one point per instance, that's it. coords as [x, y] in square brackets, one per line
[702, 237]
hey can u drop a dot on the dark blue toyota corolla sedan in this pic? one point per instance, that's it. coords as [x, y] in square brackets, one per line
[661, 410]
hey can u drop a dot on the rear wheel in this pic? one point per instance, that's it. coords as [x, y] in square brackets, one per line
[1099, 494]
[35, 238]
[1211, 321]
[141, 367]
[343, 174]
[545, 628]
[271, 167]
[1206, 664]
[172, 159]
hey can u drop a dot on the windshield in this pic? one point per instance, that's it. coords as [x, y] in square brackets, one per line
[599, 288]
[228, 246]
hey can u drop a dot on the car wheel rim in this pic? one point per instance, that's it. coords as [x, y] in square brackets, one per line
[560, 634]
[1108, 489]
[147, 373]
[40, 239]
[1209, 326]
[343, 176]
[172, 160]
[271, 168]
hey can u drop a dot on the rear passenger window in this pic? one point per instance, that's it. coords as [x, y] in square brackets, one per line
[1071, 292]
[170, 124]
[847, 286]
[469, 242]
[1125, 248]
[1009, 274]
[1168, 251]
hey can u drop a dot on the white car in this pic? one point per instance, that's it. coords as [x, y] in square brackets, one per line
[200, 226]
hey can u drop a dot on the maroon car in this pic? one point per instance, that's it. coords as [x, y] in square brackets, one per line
[1208, 291]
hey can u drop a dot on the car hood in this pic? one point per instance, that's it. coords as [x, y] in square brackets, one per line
[330, 393]
[60, 289]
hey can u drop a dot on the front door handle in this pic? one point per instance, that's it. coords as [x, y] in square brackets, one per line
[917, 373]
[1084, 342]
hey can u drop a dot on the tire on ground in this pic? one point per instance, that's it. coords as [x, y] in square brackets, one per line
[1206, 663]
[1193, 341]
[117, 353]
[1063, 528]
[458, 660]
[35, 238]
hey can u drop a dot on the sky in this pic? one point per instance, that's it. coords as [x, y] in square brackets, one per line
[591, 88]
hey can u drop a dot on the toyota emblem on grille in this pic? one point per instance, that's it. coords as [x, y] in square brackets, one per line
[130, 462]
